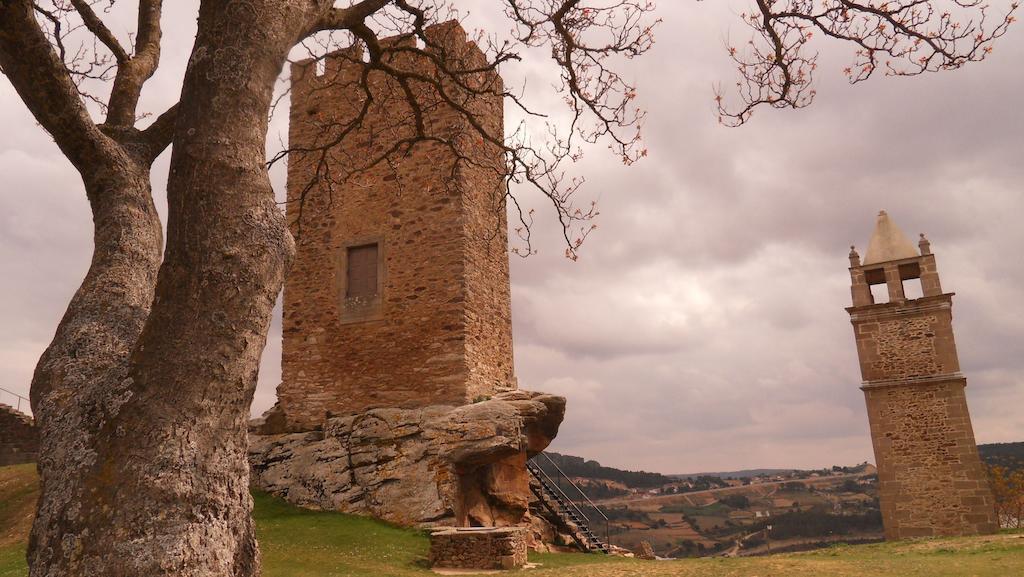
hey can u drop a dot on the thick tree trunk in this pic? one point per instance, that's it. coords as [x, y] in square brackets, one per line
[167, 492]
[142, 398]
[80, 381]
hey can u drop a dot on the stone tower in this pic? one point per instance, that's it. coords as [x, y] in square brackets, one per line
[399, 293]
[931, 479]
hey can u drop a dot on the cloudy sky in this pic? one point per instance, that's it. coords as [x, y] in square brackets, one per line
[703, 328]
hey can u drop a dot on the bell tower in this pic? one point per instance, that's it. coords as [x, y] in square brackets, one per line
[931, 479]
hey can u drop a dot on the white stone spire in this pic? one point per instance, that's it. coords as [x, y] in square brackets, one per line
[888, 242]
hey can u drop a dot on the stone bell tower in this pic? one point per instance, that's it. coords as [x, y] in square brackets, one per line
[931, 479]
[399, 293]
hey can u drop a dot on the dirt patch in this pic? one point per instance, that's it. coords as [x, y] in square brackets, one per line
[965, 544]
[19, 489]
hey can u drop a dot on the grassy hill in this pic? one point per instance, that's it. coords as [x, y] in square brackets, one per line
[299, 543]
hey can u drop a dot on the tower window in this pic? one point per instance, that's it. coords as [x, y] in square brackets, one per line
[361, 276]
[910, 276]
[879, 293]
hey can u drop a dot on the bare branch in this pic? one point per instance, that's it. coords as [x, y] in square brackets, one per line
[419, 69]
[38, 74]
[133, 73]
[346, 18]
[158, 136]
[903, 37]
[97, 27]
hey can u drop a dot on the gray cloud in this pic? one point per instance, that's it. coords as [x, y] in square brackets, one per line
[704, 326]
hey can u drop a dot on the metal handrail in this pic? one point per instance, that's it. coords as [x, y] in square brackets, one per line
[575, 486]
[20, 399]
[607, 528]
[579, 534]
[554, 484]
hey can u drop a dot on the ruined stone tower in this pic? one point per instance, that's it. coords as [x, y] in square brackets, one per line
[931, 479]
[399, 293]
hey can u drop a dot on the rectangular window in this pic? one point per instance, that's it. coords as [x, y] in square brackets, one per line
[361, 276]
[879, 293]
[912, 289]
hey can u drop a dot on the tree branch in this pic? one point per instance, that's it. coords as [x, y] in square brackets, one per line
[158, 136]
[99, 29]
[411, 70]
[133, 73]
[904, 37]
[39, 76]
[346, 18]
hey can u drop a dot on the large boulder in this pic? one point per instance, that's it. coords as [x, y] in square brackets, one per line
[433, 466]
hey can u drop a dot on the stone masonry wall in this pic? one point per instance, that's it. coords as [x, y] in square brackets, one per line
[916, 342]
[501, 548]
[440, 332]
[19, 439]
[488, 299]
[931, 479]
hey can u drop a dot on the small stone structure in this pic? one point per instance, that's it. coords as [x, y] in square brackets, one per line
[931, 478]
[483, 548]
[19, 438]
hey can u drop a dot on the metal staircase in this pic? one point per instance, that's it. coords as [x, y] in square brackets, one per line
[551, 491]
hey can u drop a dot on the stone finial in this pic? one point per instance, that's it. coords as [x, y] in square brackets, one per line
[854, 256]
[924, 245]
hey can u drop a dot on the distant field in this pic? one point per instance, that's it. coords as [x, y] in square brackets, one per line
[299, 543]
[712, 521]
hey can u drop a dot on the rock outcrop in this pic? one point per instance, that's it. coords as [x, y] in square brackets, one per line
[435, 466]
[645, 551]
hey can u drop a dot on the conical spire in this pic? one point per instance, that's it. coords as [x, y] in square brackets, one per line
[888, 243]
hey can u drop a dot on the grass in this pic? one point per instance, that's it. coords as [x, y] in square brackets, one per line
[300, 543]
[18, 491]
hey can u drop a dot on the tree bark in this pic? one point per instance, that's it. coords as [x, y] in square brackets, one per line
[167, 490]
[142, 398]
[80, 381]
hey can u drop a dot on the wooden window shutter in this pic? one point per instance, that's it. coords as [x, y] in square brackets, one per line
[362, 271]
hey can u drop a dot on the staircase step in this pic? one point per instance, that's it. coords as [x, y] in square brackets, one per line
[565, 509]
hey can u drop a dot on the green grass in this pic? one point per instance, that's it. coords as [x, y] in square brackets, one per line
[300, 543]
[12, 561]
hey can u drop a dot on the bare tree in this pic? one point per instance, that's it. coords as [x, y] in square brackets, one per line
[142, 397]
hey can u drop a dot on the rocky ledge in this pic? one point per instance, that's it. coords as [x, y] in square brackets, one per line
[434, 466]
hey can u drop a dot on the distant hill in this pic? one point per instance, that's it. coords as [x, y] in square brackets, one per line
[1009, 455]
[580, 467]
[743, 474]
